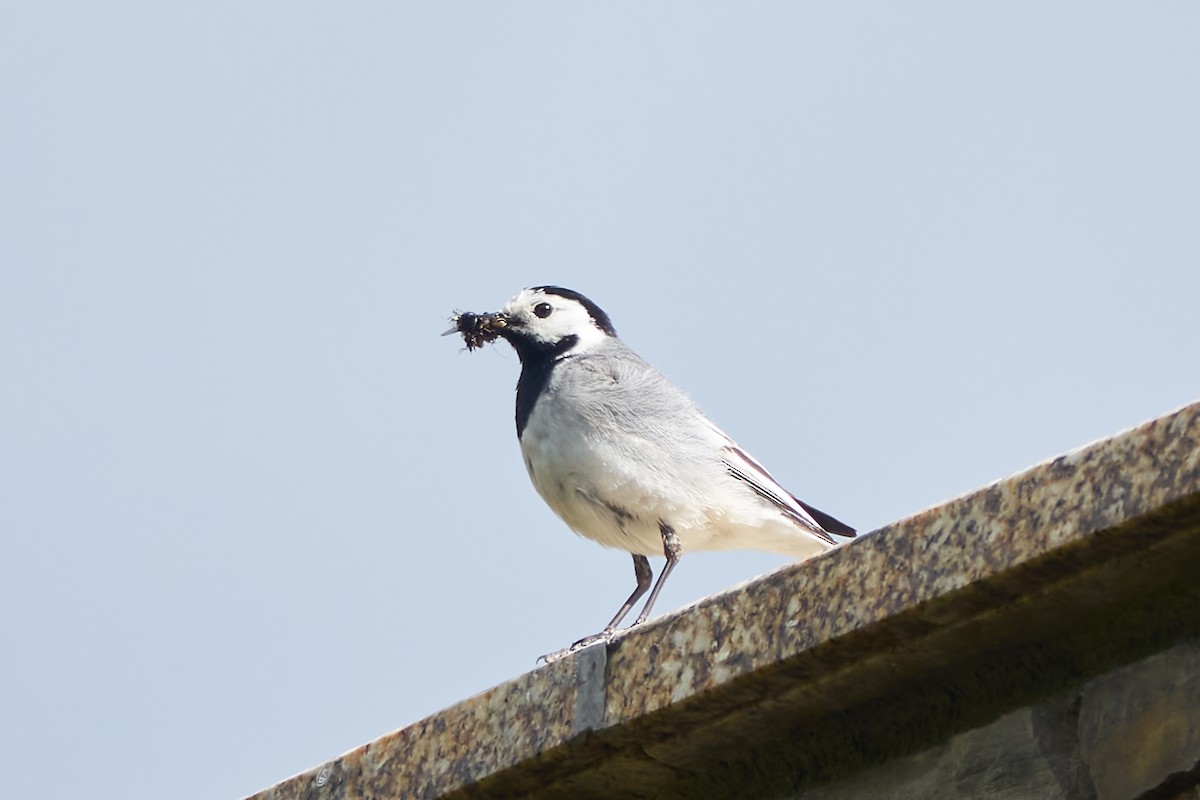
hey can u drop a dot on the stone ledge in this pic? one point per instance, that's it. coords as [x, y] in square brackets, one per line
[925, 628]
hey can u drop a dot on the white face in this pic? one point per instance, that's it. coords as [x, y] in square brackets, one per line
[548, 318]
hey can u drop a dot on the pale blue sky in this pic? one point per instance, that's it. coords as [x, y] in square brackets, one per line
[255, 512]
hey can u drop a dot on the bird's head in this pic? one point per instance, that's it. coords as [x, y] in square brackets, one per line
[539, 322]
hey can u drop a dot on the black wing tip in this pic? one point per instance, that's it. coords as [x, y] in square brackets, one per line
[828, 523]
[828, 526]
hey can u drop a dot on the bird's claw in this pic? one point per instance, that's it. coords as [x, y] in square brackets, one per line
[605, 636]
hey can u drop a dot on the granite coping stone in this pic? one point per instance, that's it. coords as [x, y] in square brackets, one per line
[923, 628]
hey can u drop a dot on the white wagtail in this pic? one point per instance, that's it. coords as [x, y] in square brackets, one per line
[624, 457]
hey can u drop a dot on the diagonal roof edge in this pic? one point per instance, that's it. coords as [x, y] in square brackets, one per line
[926, 626]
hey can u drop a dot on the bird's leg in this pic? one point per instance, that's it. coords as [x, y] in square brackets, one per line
[672, 550]
[643, 573]
[641, 569]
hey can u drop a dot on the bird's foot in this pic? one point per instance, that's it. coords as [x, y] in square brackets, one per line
[605, 636]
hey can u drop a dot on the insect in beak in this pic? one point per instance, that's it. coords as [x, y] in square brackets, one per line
[477, 329]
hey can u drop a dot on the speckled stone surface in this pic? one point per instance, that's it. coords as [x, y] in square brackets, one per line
[926, 627]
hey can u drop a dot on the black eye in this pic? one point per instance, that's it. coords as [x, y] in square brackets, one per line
[543, 310]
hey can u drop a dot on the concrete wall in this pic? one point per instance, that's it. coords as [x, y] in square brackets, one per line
[1133, 732]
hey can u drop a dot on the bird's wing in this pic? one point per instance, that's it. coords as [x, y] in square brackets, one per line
[745, 468]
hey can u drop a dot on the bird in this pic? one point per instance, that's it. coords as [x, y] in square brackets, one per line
[625, 458]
